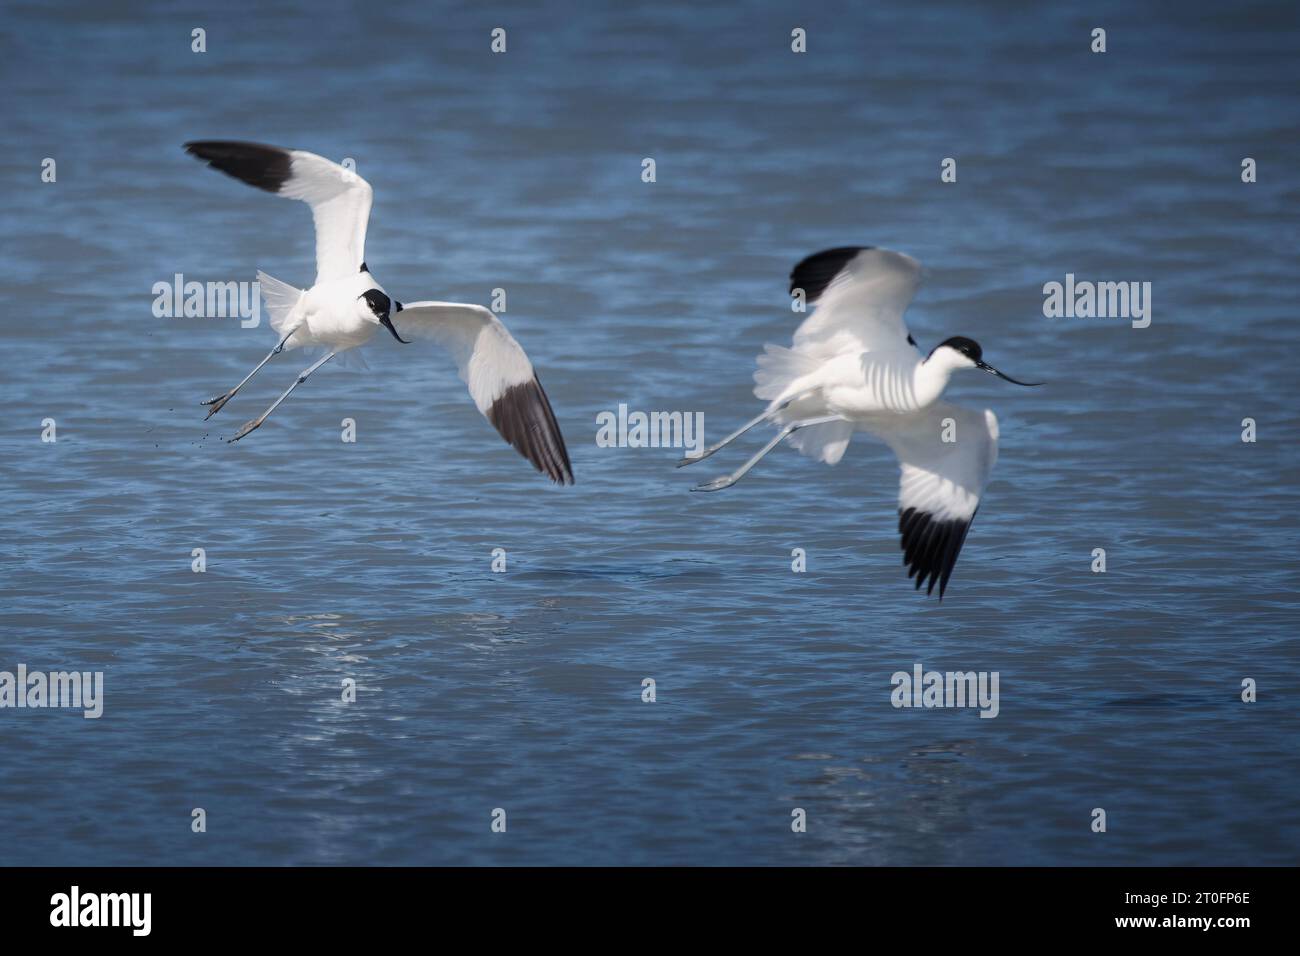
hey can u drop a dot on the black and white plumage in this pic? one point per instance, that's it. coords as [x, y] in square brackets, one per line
[854, 367]
[346, 305]
[940, 484]
[501, 380]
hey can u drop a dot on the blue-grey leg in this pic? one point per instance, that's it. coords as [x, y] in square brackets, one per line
[758, 420]
[256, 423]
[221, 400]
[726, 481]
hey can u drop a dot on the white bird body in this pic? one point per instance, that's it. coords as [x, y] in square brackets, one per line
[346, 305]
[853, 367]
[858, 385]
[334, 315]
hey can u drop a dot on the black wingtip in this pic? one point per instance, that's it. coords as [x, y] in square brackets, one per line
[523, 416]
[930, 547]
[257, 164]
[816, 272]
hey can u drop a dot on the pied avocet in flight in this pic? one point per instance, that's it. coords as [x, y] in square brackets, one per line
[854, 367]
[346, 306]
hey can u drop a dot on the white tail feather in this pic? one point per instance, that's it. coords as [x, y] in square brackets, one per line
[280, 299]
[779, 367]
[778, 371]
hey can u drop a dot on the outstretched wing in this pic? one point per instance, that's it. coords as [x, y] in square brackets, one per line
[339, 198]
[501, 380]
[945, 454]
[860, 294]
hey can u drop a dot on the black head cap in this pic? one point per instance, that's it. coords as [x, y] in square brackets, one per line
[967, 347]
[379, 303]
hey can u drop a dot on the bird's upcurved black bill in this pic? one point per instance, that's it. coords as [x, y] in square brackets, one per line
[388, 324]
[989, 368]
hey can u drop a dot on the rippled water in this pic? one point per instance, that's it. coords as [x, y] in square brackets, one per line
[371, 561]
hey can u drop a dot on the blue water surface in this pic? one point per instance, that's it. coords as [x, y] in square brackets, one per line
[370, 561]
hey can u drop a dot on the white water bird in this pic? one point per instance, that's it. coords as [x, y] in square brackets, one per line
[346, 306]
[854, 367]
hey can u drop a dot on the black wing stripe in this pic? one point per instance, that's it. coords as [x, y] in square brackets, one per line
[266, 167]
[543, 440]
[924, 534]
[524, 418]
[909, 518]
[925, 559]
[912, 545]
[815, 273]
[930, 547]
[517, 423]
[939, 556]
[935, 555]
[919, 554]
[950, 559]
[546, 440]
